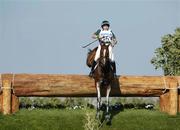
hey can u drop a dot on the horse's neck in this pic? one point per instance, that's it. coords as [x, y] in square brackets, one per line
[104, 52]
[102, 66]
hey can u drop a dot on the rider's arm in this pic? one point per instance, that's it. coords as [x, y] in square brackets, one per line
[96, 34]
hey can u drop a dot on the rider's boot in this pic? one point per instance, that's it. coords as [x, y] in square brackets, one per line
[114, 68]
[92, 68]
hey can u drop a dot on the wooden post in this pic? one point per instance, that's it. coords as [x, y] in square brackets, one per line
[1, 102]
[164, 102]
[164, 98]
[169, 100]
[15, 103]
[173, 98]
[6, 97]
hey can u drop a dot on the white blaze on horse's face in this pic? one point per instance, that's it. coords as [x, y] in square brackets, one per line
[104, 57]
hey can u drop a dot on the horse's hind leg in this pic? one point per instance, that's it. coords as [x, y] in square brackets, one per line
[107, 103]
[98, 99]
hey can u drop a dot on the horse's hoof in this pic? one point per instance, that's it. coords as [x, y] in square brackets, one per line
[107, 117]
[108, 122]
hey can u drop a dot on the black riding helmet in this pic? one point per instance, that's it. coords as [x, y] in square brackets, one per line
[105, 22]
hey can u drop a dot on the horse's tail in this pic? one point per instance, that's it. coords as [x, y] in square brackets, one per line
[90, 57]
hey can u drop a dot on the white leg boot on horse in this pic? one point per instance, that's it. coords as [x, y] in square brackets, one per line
[107, 116]
[98, 100]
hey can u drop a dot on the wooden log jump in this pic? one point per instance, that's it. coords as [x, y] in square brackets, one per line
[47, 85]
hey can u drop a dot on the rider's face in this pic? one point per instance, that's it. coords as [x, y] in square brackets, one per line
[105, 27]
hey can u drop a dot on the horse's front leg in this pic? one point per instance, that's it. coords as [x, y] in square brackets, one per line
[107, 102]
[98, 99]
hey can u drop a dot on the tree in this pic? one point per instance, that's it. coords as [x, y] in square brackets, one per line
[167, 56]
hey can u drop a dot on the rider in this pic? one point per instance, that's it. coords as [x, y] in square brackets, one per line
[104, 35]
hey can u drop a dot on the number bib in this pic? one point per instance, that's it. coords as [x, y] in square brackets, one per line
[106, 36]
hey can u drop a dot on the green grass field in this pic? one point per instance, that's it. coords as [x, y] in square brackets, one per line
[54, 119]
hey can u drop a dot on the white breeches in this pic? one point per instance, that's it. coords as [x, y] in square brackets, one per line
[111, 55]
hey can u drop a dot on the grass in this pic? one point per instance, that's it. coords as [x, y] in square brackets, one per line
[39, 119]
[54, 119]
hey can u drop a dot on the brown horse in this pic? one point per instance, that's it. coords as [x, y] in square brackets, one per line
[103, 76]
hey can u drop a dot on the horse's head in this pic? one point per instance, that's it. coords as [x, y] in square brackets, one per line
[104, 54]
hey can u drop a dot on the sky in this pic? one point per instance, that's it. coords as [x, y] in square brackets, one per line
[45, 36]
